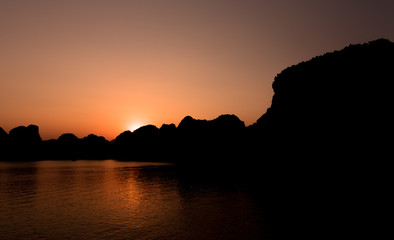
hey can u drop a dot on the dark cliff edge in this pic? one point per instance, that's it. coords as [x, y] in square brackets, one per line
[336, 103]
[327, 136]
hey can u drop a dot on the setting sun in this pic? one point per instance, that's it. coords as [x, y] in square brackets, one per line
[134, 126]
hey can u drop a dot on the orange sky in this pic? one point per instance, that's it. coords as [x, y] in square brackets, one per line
[102, 67]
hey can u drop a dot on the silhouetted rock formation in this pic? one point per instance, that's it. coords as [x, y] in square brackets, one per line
[68, 139]
[227, 123]
[191, 140]
[329, 116]
[25, 135]
[216, 141]
[24, 143]
[223, 124]
[146, 132]
[335, 102]
[95, 147]
[140, 145]
[69, 146]
[92, 139]
[124, 138]
[189, 124]
[167, 128]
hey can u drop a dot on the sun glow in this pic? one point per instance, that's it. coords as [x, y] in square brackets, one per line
[134, 126]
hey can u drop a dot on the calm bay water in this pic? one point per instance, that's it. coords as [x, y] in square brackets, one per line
[122, 200]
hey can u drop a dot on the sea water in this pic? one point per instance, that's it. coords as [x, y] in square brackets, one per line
[122, 200]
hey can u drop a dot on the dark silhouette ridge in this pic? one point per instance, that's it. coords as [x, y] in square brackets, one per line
[224, 124]
[335, 98]
[25, 135]
[140, 144]
[148, 132]
[68, 139]
[184, 144]
[95, 147]
[193, 125]
[167, 127]
[21, 142]
[123, 137]
[25, 144]
[218, 141]
[94, 140]
[69, 146]
[167, 130]
[324, 133]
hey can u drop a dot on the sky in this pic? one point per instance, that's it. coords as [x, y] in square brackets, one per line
[106, 66]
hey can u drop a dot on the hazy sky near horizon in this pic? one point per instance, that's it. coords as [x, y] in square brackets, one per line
[105, 66]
